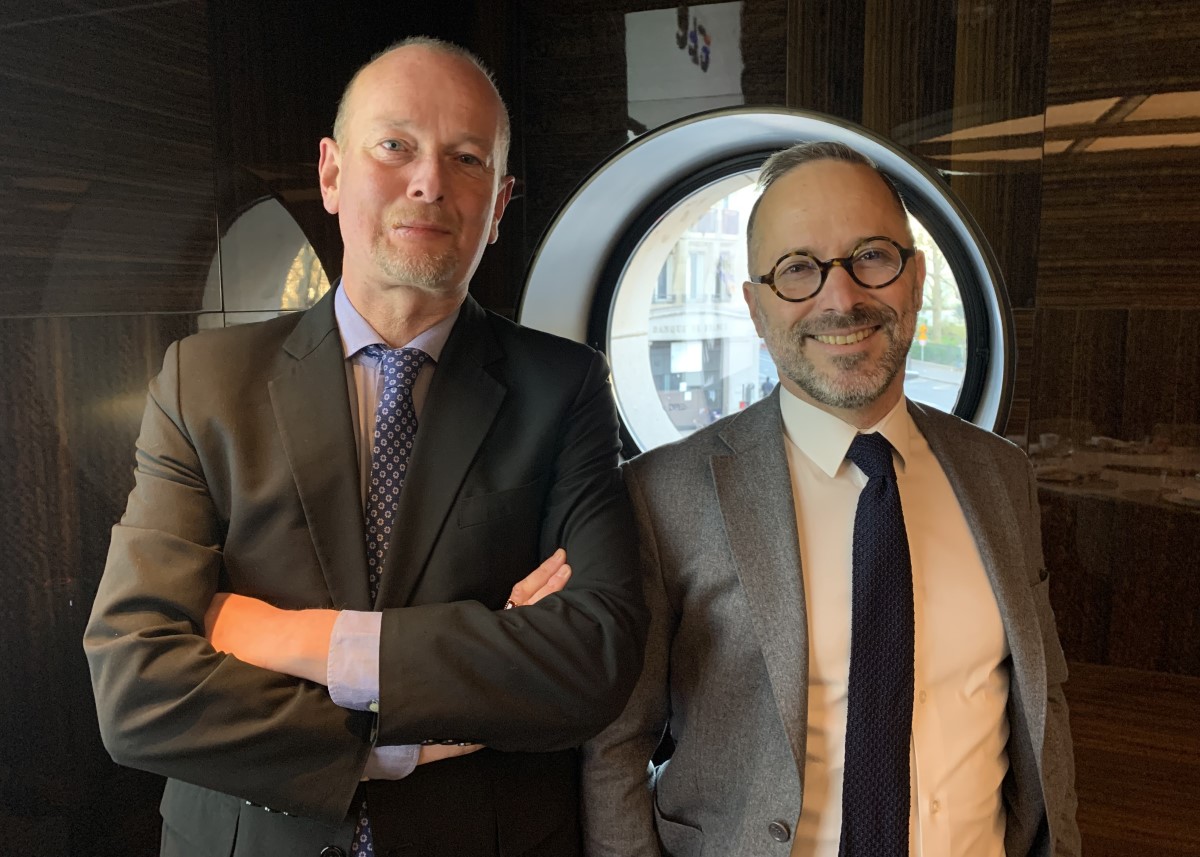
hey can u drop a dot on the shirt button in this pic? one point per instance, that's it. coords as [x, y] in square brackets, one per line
[779, 831]
[373, 706]
[922, 696]
[934, 806]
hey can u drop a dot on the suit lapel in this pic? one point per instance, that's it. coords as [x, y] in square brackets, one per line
[982, 495]
[312, 411]
[754, 491]
[462, 403]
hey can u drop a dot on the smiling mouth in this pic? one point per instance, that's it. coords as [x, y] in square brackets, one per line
[845, 339]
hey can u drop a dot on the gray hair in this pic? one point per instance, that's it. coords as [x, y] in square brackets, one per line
[783, 162]
[504, 131]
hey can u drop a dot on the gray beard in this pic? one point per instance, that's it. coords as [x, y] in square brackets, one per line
[856, 382]
[430, 272]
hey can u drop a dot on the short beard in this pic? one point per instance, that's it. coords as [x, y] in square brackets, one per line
[430, 272]
[855, 383]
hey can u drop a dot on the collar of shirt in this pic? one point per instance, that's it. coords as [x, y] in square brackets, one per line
[825, 439]
[357, 333]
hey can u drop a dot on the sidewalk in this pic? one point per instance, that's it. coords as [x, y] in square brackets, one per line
[936, 371]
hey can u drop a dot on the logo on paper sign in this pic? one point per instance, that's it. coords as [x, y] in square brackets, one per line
[696, 40]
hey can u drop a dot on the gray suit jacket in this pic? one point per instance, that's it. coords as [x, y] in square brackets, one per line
[726, 658]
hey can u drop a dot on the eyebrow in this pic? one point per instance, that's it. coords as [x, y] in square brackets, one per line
[407, 125]
[858, 242]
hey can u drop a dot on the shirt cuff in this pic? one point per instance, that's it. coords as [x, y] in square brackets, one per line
[392, 762]
[353, 670]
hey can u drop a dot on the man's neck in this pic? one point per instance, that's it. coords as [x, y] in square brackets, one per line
[861, 418]
[401, 313]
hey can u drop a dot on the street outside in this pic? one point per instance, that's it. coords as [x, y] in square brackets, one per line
[933, 384]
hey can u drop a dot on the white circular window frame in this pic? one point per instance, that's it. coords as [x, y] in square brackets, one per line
[560, 289]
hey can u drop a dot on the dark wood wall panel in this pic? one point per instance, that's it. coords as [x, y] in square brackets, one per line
[1114, 220]
[824, 67]
[71, 400]
[107, 194]
[1116, 300]
[567, 49]
[1114, 603]
[909, 58]
[1112, 228]
[765, 34]
[1137, 759]
[1162, 377]
[1111, 47]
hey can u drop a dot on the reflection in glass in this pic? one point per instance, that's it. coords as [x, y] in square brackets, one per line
[683, 346]
[266, 263]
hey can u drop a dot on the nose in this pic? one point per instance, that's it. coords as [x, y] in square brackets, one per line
[840, 292]
[426, 180]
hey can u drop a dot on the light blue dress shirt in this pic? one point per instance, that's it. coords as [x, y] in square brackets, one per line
[353, 670]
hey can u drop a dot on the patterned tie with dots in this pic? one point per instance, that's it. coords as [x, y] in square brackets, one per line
[879, 704]
[395, 430]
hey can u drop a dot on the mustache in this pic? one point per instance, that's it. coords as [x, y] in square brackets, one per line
[433, 215]
[857, 317]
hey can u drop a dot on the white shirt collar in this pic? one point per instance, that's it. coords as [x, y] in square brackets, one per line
[826, 439]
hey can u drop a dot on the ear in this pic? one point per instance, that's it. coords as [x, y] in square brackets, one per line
[503, 196]
[750, 295]
[329, 172]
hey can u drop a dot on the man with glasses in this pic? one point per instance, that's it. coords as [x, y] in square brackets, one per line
[852, 650]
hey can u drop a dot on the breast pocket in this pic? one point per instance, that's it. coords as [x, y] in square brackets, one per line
[523, 502]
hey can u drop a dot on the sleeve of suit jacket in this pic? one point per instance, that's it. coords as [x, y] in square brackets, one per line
[167, 702]
[1058, 755]
[617, 799]
[548, 676]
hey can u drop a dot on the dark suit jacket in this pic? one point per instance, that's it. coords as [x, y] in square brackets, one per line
[247, 481]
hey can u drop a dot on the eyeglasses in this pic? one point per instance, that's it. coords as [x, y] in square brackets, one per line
[876, 262]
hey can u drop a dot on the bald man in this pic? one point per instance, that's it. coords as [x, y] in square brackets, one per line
[302, 623]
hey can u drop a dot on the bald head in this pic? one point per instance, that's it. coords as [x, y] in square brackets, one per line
[783, 162]
[417, 45]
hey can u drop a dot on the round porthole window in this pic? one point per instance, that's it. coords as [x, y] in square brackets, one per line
[662, 293]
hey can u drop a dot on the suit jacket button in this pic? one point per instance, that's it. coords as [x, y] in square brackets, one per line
[779, 831]
[332, 851]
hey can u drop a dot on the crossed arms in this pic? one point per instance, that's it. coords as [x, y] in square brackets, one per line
[214, 509]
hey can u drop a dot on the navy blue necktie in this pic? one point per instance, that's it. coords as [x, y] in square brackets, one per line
[875, 792]
[391, 446]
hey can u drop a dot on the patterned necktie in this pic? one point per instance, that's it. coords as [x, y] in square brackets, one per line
[875, 792]
[395, 430]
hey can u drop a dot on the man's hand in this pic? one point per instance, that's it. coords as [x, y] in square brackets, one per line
[549, 577]
[295, 642]
[438, 752]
